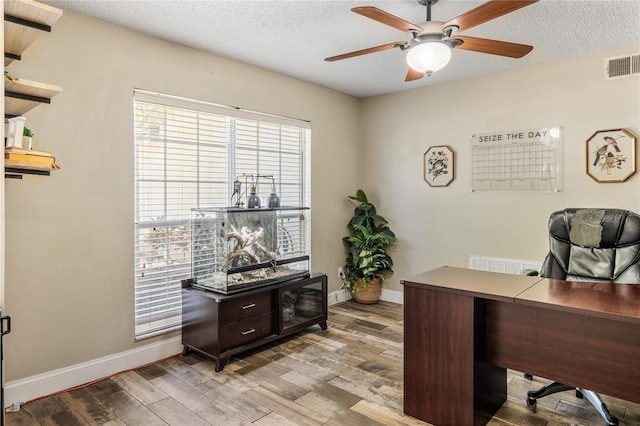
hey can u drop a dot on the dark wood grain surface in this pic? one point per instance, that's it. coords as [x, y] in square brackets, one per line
[591, 352]
[582, 334]
[221, 326]
[490, 285]
[620, 302]
[438, 361]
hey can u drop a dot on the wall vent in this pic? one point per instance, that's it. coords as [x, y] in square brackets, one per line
[506, 266]
[618, 67]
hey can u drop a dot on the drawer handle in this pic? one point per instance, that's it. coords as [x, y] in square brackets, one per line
[244, 333]
[249, 306]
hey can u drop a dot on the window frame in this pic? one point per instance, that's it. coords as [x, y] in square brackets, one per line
[149, 232]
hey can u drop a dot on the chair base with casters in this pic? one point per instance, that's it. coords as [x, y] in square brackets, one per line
[591, 396]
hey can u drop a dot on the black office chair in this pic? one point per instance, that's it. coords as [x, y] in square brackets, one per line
[595, 245]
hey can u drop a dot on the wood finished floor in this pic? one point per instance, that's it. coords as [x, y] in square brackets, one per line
[349, 375]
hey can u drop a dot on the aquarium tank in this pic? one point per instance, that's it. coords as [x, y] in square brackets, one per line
[234, 249]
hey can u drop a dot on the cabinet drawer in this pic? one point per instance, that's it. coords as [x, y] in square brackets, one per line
[245, 307]
[246, 331]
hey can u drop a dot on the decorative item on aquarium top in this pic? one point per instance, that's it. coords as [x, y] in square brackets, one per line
[252, 199]
[234, 249]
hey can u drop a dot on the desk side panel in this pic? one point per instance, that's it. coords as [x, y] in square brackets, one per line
[594, 353]
[490, 381]
[438, 356]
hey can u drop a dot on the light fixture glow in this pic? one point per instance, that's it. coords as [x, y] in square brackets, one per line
[429, 56]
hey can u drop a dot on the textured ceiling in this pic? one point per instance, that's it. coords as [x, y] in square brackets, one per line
[294, 37]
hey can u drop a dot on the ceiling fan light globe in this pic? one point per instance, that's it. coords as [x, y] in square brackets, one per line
[428, 57]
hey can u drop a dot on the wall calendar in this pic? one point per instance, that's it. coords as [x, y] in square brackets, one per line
[522, 160]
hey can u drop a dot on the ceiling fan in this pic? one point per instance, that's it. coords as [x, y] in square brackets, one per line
[429, 43]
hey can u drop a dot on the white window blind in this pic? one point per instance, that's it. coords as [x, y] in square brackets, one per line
[187, 154]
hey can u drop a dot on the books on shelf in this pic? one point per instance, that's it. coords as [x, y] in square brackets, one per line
[23, 165]
[43, 158]
[14, 150]
[30, 158]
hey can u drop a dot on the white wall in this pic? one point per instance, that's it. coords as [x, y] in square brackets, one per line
[444, 225]
[69, 236]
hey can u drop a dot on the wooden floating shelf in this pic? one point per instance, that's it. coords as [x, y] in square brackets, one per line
[23, 95]
[25, 21]
[15, 169]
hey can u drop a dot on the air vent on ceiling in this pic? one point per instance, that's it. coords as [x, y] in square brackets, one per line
[622, 67]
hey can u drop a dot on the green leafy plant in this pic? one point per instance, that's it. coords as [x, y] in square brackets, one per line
[369, 236]
[27, 132]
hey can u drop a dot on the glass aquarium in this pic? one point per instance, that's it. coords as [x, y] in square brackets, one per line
[234, 249]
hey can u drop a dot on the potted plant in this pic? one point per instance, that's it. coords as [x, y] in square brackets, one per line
[367, 260]
[26, 138]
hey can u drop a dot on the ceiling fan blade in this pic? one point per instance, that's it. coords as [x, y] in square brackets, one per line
[385, 18]
[413, 75]
[486, 12]
[365, 51]
[494, 47]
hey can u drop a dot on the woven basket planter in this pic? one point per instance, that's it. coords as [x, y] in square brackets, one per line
[368, 294]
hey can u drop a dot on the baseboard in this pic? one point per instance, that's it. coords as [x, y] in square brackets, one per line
[343, 295]
[23, 390]
[338, 296]
[392, 296]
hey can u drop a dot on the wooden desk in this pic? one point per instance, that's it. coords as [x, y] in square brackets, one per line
[463, 328]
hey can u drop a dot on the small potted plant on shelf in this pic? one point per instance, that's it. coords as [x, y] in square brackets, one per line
[26, 138]
[367, 260]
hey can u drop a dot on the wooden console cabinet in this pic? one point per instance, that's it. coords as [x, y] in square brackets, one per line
[221, 326]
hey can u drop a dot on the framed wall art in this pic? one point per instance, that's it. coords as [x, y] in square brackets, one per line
[611, 155]
[438, 165]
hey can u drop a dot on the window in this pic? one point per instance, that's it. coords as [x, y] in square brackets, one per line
[188, 154]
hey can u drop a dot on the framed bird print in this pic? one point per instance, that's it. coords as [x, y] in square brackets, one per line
[438, 167]
[611, 155]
